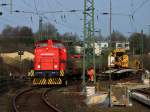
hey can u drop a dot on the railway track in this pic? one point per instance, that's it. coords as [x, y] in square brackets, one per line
[33, 100]
[141, 95]
[44, 98]
[143, 91]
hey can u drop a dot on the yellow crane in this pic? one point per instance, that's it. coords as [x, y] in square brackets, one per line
[118, 58]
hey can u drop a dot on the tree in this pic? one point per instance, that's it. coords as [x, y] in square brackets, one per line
[7, 31]
[25, 32]
[16, 32]
[70, 37]
[48, 31]
[136, 43]
[16, 38]
[99, 38]
[147, 44]
[117, 36]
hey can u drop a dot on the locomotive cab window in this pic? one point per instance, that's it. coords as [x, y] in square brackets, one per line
[120, 53]
[58, 45]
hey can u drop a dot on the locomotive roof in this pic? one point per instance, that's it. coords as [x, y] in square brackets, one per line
[48, 40]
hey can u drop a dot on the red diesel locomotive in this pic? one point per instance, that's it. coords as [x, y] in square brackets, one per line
[49, 63]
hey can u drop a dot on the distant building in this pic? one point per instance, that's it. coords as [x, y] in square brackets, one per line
[97, 49]
[102, 45]
[78, 49]
[124, 45]
[99, 46]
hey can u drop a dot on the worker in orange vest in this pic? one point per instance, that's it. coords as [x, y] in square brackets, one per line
[90, 73]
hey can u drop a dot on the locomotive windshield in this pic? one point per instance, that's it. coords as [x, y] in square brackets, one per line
[120, 53]
[58, 45]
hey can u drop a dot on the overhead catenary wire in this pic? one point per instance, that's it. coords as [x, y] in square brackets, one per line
[77, 10]
[13, 21]
[140, 6]
[81, 11]
[132, 23]
[51, 8]
[59, 23]
[113, 13]
[43, 14]
[71, 12]
[36, 8]
[60, 4]
[47, 12]
[27, 4]
[36, 12]
[62, 11]
[63, 15]
[131, 18]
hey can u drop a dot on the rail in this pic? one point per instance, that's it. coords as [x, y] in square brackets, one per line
[19, 94]
[44, 98]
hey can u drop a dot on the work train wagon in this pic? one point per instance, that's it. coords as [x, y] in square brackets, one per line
[49, 63]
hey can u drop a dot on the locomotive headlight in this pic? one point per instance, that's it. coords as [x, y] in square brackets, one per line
[38, 66]
[64, 50]
[47, 48]
[55, 66]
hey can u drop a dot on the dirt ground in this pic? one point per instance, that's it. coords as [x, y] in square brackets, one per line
[71, 99]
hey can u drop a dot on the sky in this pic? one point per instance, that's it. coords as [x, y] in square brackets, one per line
[72, 22]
